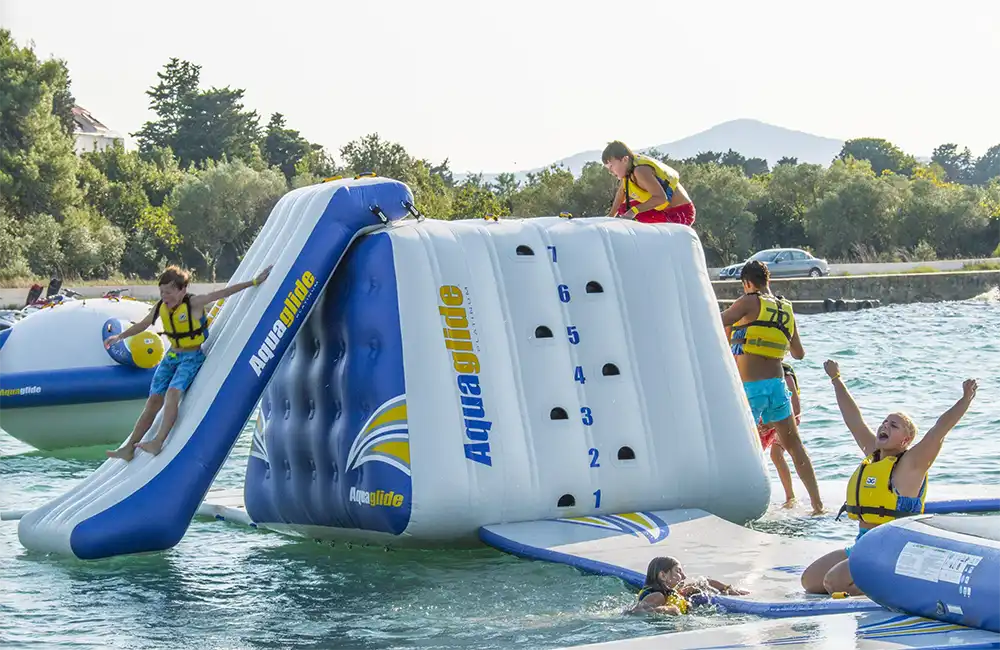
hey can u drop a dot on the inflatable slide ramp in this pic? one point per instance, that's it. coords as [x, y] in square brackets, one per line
[147, 504]
[621, 545]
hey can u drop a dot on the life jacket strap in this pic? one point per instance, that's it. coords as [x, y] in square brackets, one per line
[880, 511]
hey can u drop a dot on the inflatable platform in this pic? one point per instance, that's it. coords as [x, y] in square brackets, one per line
[858, 631]
[60, 388]
[768, 566]
[307, 233]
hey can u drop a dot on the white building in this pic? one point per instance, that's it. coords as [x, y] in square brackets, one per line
[90, 134]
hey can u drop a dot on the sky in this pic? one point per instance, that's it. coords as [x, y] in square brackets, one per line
[518, 84]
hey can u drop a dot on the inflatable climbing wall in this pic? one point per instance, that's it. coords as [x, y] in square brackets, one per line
[458, 374]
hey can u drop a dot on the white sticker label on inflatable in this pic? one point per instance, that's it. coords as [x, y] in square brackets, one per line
[934, 564]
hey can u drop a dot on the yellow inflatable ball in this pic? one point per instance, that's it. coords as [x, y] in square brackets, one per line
[146, 349]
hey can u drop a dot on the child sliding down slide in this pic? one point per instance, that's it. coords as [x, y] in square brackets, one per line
[185, 324]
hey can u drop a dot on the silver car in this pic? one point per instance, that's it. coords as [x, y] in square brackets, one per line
[782, 263]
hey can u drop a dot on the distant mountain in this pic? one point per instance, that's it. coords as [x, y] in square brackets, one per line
[752, 138]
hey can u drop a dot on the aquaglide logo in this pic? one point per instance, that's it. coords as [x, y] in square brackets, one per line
[458, 341]
[26, 390]
[376, 498]
[293, 306]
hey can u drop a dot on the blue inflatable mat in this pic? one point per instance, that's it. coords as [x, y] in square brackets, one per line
[621, 545]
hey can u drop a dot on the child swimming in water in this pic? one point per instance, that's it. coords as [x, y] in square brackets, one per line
[668, 591]
[768, 433]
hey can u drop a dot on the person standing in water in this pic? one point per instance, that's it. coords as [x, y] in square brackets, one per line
[185, 324]
[650, 191]
[891, 481]
[767, 433]
[763, 331]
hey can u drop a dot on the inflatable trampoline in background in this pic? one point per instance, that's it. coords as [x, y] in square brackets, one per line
[61, 388]
[308, 231]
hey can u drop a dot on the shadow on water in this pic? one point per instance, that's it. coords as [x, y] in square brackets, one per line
[69, 453]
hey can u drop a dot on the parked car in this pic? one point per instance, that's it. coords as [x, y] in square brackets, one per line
[782, 263]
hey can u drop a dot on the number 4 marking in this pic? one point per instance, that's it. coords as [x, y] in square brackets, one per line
[578, 375]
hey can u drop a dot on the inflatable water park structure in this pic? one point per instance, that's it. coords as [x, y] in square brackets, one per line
[558, 388]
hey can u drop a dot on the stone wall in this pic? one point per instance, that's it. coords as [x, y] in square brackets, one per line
[889, 289]
[14, 297]
[901, 288]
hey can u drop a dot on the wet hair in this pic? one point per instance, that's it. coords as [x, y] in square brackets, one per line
[657, 564]
[755, 272]
[176, 276]
[908, 424]
[616, 150]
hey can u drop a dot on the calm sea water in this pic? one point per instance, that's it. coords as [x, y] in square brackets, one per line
[225, 586]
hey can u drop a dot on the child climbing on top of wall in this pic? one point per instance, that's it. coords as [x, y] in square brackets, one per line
[185, 324]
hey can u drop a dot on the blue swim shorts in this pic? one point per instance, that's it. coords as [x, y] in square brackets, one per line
[176, 370]
[769, 399]
[861, 531]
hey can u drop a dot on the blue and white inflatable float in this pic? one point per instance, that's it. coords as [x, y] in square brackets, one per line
[945, 567]
[60, 387]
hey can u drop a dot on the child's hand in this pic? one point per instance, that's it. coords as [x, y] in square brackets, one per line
[111, 340]
[263, 275]
[831, 368]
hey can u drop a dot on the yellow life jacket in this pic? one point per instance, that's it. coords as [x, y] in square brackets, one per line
[790, 372]
[178, 325]
[666, 175]
[870, 495]
[671, 597]
[768, 335]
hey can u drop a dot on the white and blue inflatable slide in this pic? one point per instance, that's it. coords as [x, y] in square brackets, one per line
[147, 504]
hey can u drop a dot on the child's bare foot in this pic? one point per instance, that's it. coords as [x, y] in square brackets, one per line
[126, 452]
[818, 509]
[789, 502]
[153, 446]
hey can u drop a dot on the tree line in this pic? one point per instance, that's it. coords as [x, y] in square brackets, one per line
[206, 174]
